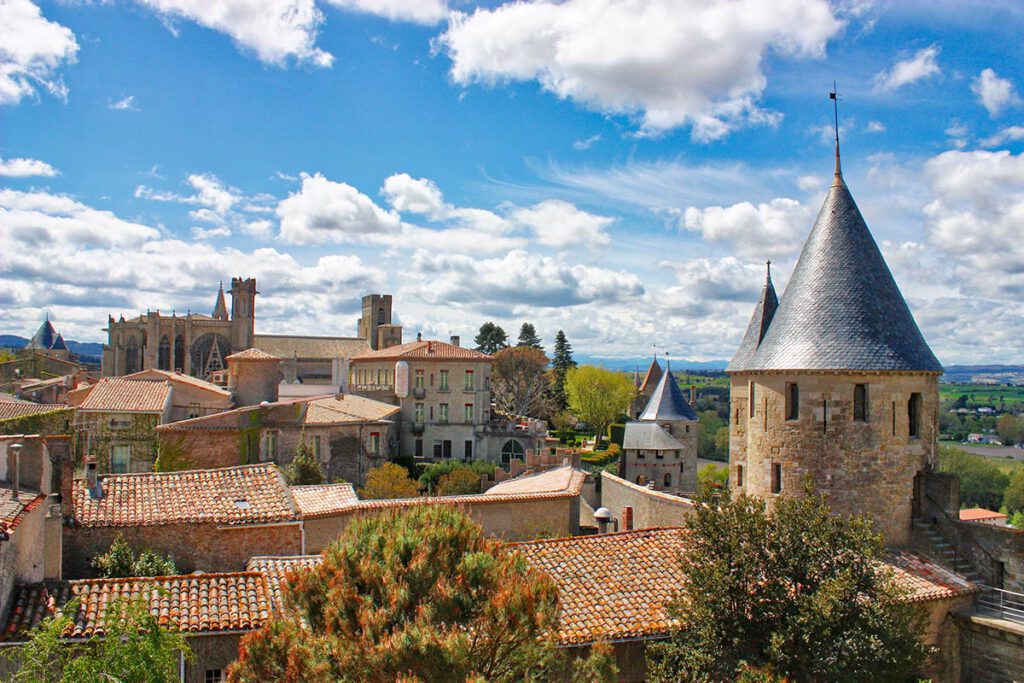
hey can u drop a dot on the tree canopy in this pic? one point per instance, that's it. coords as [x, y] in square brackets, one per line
[562, 360]
[598, 396]
[134, 648]
[459, 482]
[491, 338]
[390, 480]
[412, 595]
[528, 337]
[981, 483]
[519, 385]
[794, 593]
[120, 561]
[303, 470]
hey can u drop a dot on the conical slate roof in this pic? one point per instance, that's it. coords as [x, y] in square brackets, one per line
[59, 344]
[758, 327]
[667, 402]
[220, 309]
[842, 309]
[44, 336]
[653, 376]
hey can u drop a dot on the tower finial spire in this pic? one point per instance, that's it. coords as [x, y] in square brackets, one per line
[834, 96]
[768, 276]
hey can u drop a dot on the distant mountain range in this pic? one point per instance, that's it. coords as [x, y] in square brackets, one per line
[87, 351]
[644, 363]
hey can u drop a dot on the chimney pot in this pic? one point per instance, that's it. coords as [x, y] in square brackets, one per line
[92, 479]
[455, 340]
[15, 466]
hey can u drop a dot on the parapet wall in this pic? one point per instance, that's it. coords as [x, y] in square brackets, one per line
[650, 508]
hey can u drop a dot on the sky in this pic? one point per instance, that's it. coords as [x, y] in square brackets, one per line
[617, 169]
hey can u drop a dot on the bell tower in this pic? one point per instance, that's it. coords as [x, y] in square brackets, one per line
[243, 313]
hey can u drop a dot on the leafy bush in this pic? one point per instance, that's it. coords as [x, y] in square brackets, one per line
[458, 482]
[120, 562]
[616, 433]
[303, 470]
[712, 479]
[1013, 498]
[432, 474]
[389, 481]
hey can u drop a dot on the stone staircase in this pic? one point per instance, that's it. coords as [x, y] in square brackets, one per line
[931, 543]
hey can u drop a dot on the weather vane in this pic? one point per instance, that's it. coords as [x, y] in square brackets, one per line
[835, 97]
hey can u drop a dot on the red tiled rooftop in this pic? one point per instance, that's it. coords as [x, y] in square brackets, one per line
[347, 409]
[152, 374]
[979, 514]
[424, 350]
[10, 410]
[248, 494]
[926, 580]
[253, 354]
[323, 499]
[196, 603]
[119, 395]
[277, 568]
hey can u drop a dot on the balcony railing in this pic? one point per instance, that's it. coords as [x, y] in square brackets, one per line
[1001, 603]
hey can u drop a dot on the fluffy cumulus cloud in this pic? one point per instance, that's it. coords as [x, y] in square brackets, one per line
[38, 218]
[922, 65]
[417, 11]
[415, 195]
[976, 217]
[670, 62]
[32, 50]
[994, 93]
[26, 168]
[768, 230]
[276, 31]
[222, 209]
[1008, 134]
[560, 224]
[326, 211]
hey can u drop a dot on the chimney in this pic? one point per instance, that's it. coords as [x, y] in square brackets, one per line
[455, 340]
[13, 468]
[603, 517]
[419, 336]
[92, 480]
[53, 526]
[627, 517]
[693, 396]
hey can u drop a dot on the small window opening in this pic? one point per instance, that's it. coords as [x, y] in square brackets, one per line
[739, 475]
[860, 402]
[792, 401]
[753, 399]
[776, 477]
[914, 414]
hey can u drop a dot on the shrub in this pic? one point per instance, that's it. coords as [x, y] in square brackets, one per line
[431, 476]
[389, 481]
[120, 562]
[303, 470]
[459, 482]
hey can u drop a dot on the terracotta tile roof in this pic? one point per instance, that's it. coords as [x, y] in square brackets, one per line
[196, 603]
[324, 499]
[12, 512]
[276, 570]
[979, 514]
[311, 347]
[347, 409]
[253, 354]
[248, 494]
[424, 350]
[559, 479]
[926, 580]
[11, 398]
[119, 395]
[180, 377]
[10, 410]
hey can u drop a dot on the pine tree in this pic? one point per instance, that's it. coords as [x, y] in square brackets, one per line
[528, 337]
[304, 470]
[491, 338]
[563, 354]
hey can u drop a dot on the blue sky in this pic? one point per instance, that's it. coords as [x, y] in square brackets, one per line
[619, 169]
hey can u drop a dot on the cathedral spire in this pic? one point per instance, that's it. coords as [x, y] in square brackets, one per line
[220, 309]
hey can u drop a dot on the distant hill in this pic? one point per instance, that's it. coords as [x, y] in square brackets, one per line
[643, 363]
[984, 374]
[87, 351]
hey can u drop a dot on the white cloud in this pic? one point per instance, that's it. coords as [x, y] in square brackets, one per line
[124, 104]
[25, 168]
[670, 62]
[560, 224]
[32, 49]
[994, 93]
[420, 196]
[581, 145]
[876, 127]
[764, 231]
[326, 211]
[1008, 134]
[36, 218]
[907, 71]
[417, 11]
[274, 30]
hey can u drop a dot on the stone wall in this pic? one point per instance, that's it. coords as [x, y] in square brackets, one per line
[991, 650]
[46, 424]
[650, 508]
[211, 651]
[864, 466]
[203, 547]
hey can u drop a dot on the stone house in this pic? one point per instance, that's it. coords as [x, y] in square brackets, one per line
[660, 449]
[349, 435]
[209, 520]
[31, 363]
[25, 417]
[444, 392]
[116, 418]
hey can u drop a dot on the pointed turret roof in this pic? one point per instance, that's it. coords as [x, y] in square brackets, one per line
[59, 344]
[652, 377]
[759, 322]
[220, 309]
[44, 336]
[842, 309]
[667, 403]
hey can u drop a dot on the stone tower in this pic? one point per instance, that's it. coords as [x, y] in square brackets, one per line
[835, 382]
[375, 324]
[243, 312]
[669, 410]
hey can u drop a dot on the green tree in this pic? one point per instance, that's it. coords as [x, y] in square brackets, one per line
[491, 338]
[519, 385]
[430, 479]
[459, 482]
[528, 337]
[1010, 429]
[120, 562]
[707, 436]
[722, 444]
[981, 483]
[134, 648]
[1013, 497]
[413, 595]
[303, 470]
[794, 593]
[598, 396]
[712, 480]
[562, 361]
[389, 481]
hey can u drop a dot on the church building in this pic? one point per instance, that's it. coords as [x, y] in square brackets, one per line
[197, 344]
[835, 383]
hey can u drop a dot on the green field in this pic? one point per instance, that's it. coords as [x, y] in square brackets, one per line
[1012, 398]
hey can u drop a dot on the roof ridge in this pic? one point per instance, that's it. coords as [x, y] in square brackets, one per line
[627, 532]
[166, 577]
[126, 475]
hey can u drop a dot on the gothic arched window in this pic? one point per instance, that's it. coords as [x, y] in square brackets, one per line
[163, 356]
[380, 316]
[131, 356]
[179, 353]
[512, 449]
